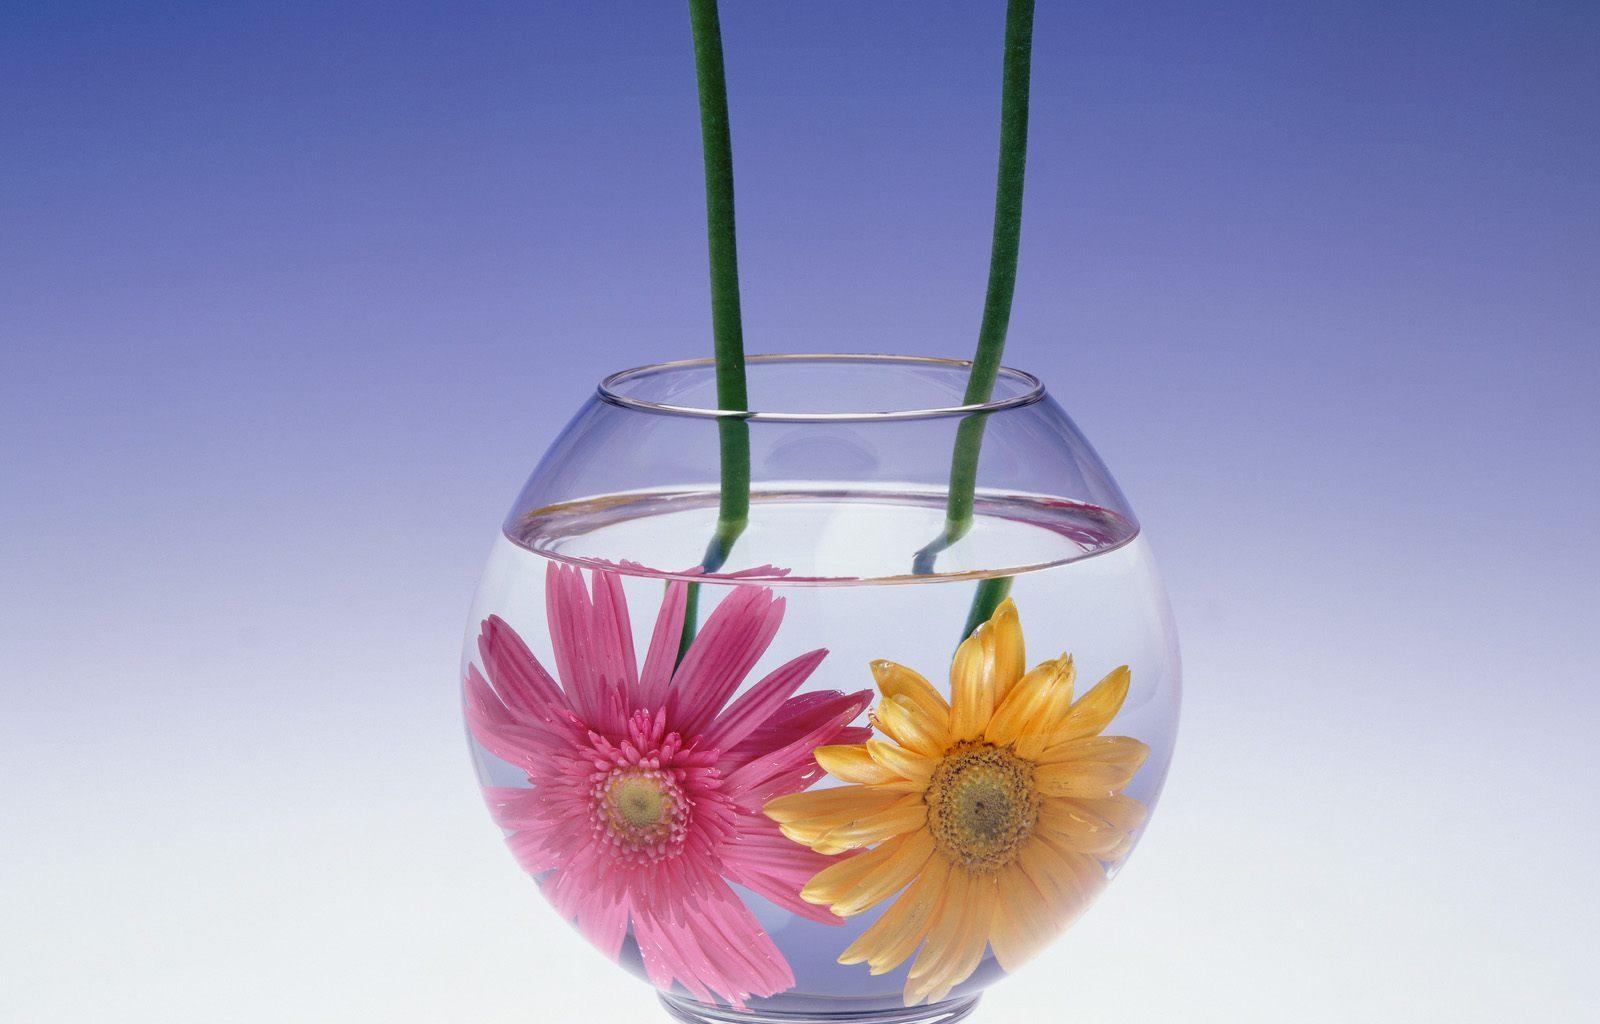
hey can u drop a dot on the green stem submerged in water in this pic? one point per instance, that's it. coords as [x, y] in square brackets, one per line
[733, 512]
[996, 308]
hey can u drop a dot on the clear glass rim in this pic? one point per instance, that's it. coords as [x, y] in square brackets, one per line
[610, 390]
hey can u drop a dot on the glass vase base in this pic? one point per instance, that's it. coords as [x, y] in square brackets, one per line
[688, 1012]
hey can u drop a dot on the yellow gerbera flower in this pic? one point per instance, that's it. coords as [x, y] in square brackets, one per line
[994, 812]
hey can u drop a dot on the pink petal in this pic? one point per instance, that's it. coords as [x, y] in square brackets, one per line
[541, 809]
[735, 636]
[615, 634]
[539, 852]
[763, 571]
[750, 958]
[758, 703]
[764, 860]
[657, 905]
[789, 764]
[588, 875]
[668, 956]
[587, 657]
[478, 696]
[659, 660]
[522, 683]
[518, 742]
[566, 611]
[699, 934]
[605, 923]
[587, 893]
[798, 715]
[524, 715]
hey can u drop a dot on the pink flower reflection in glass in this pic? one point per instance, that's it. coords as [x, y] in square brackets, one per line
[648, 784]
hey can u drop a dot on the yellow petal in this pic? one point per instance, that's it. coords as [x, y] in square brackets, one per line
[972, 685]
[1045, 727]
[889, 876]
[955, 945]
[1095, 709]
[1026, 706]
[1063, 881]
[901, 762]
[945, 930]
[1072, 828]
[1085, 880]
[819, 810]
[1121, 751]
[834, 882]
[1010, 656]
[896, 680]
[896, 934]
[1076, 778]
[852, 763]
[908, 815]
[1123, 813]
[1066, 882]
[901, 720]
[1022, 924]
[968, 952]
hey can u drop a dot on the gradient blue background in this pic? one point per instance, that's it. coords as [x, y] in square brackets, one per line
[293, 295]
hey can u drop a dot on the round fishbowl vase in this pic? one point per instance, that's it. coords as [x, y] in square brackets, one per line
[849, 753]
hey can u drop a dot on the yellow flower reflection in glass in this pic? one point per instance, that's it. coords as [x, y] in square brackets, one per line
[993, 812]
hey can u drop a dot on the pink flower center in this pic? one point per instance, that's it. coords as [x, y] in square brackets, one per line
[642, 813]
[640, 810]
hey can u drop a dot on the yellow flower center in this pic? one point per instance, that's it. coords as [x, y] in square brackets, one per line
[982, 805]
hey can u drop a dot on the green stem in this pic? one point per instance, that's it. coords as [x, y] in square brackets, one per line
[996, 305]
[733, 511]
[990, 593]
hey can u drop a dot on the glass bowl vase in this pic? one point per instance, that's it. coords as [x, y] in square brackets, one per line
[851, 754]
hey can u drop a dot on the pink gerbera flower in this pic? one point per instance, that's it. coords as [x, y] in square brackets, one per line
[648, 784]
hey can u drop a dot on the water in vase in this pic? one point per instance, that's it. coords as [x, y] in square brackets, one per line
[820, 801]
